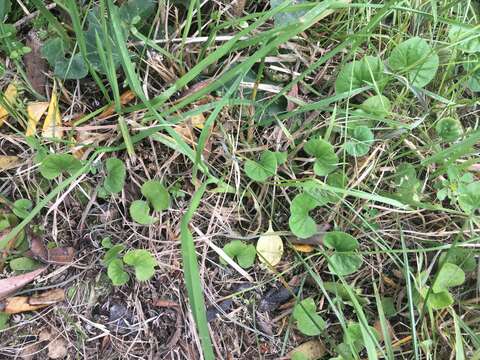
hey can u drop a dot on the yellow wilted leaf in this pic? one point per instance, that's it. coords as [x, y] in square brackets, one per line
[53, 122]
[198, 121]
[35, 111]
[270, 247]
[7, 162]
[9, 96]
[304, 248]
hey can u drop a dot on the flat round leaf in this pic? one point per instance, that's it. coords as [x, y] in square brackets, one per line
[325, 158]
[439, 301]
[116, 273]
[377, 105]
[360, 141]
[450, 275]
[55, 164]
[143, 262]
[340, 241]
[461, 257]
[140, 212]
[338, 180]
[53, 50]
[270, 248]
[71, 69]
[344, 264]
[415, 60]
[300, 222]
[262, 170]
[449, 129]
[244, 253]
[465, 37]
[22, 208]
[469, 199]
[23, 264]
[156, 194]
[116, 174]
[307, 319]
[473, 69]
[360, 73]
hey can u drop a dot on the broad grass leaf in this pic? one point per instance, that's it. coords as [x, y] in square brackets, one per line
[449, 128]
[116, 272]
[35, 111]
[5, 7]
[55, 164]
[307, 319]
[262, 170]
[360, 73]
[361, 139]
[116, 174]
[140, 212]
[469, 199]
[416, 60]
[465, 37]
[270, 247]
[325, 158]
[450, 275]
[143, 262]
[156, 194]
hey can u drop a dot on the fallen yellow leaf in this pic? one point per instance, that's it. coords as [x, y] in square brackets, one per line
[304, 248]
[35, 111]
[198, 121]
[270, 247]
[9, 96]
[7, 162]
[53, 121]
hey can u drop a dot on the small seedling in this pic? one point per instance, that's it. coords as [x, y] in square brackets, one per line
[449, 128]
[325, 158]
[455, 185]
[360, 73]
[306, 317]
[140, 260]
[260, 171]
[345, 260]
[157, 195]
[55, 164]
[415, 60]
[242, 252]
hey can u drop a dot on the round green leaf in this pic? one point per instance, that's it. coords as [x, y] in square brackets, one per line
[469, 199]
[140, 212]
[439, 301]
[262, 170]
[360, 73]
[22, 208]
[244, 253]
[377, 105]
[300, 222]
[71, 69]
[325, 158]
[473, 69]
[156, 193]
[449, 129]
[461, 257]
[416, 60]
[116, 174]
[54, 164]
[143, 262]
[53, 50]
[23, 264]
[340, 241]
[465, 37]
[116, 273]
[338, 180]
[360, 141]
[344, 264]
[450, 275]
[307, 319]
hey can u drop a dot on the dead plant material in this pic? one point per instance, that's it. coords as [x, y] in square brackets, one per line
[311, 350]
[58, 256]
[178, 325]
[125, 98]
[35, 65]
[20, 304]
[8, 162]
[12, 284]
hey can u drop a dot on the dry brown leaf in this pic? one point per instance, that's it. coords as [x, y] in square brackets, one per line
[19, 304]
[52, 126]
[125, 98]
[35, 64]
[9, 97]
[8, 162]
[312, 350]
[59, 255]
[35, 111]
[293, 93]
[57, 349]
[29, 351]
[14, 283]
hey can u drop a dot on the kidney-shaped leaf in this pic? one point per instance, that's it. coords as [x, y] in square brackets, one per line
[416, 60]
[469, 198]
[449, 128]
[140, 212]
[244, 253]
[262, 170]
[116, 173]
[300, 222]
[361, 139]
[344, 264]
[325, 158]
[55, 164]
[156, 193]
[340, 241]
[360, 73]
[466, 37]
[308, 321]
[450, 275]
[142, 261]
[270, 247]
